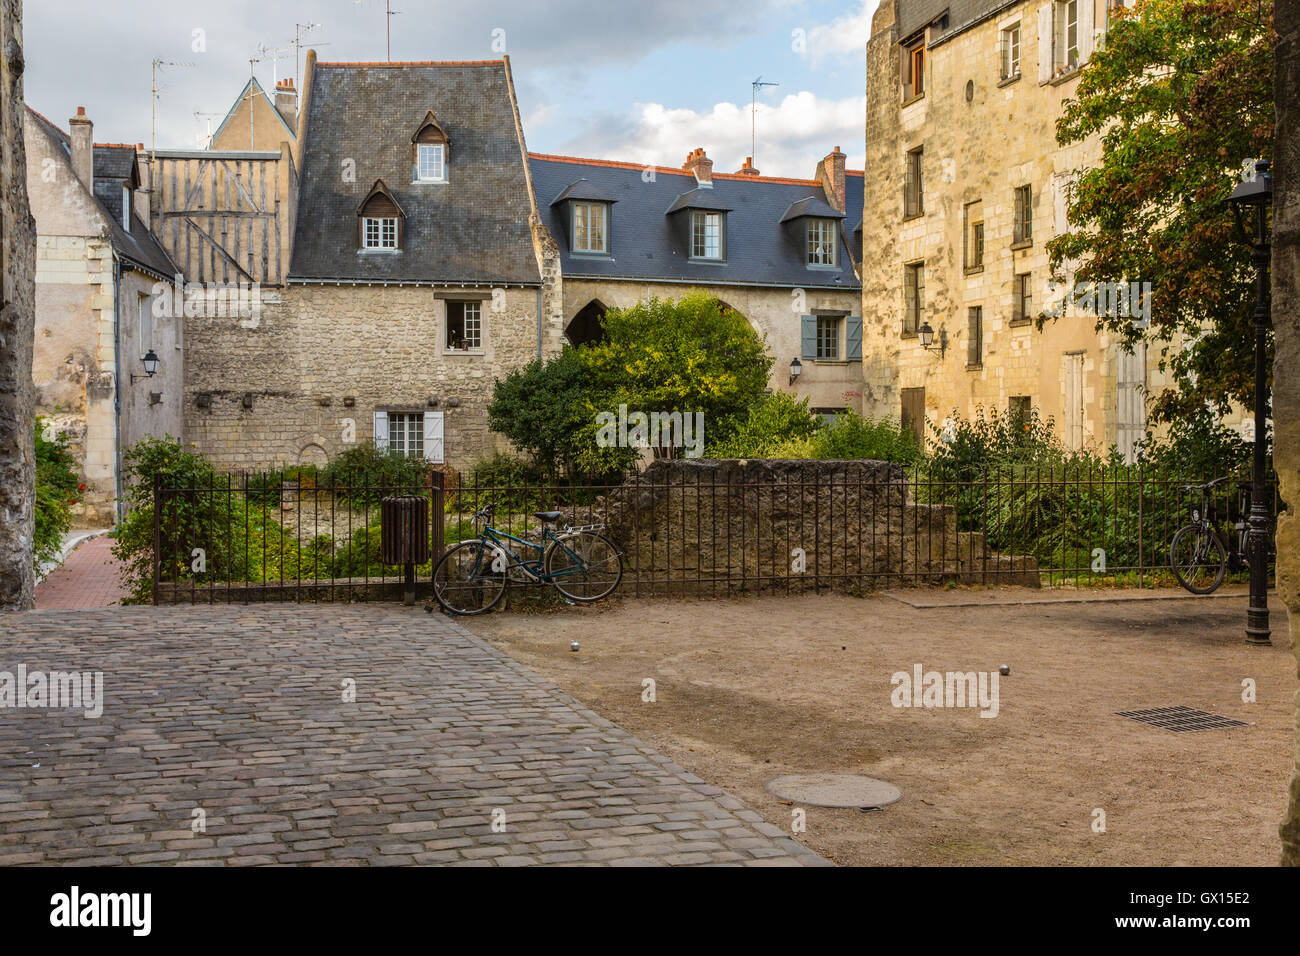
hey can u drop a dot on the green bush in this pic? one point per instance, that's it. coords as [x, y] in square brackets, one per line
[364, 475]
[56, 491]
[772, 420]
[850, 435]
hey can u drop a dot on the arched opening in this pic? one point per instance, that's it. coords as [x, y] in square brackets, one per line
[585, 327]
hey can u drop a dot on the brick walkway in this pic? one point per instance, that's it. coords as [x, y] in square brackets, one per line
[88, 579]
[238, 712]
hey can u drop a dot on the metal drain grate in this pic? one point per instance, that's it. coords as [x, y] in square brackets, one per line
[1180, 719]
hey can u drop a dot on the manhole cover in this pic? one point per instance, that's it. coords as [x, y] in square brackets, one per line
[834, 790]
[1180, 719]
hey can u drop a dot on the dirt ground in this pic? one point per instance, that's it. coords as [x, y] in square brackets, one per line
[747, 690]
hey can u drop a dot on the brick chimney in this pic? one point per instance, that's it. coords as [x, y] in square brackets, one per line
[748, 169]
[699, 164]
[831, 173]
[286, 102]
[144, 195]
[82, 132]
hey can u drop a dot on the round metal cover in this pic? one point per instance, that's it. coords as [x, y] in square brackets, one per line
[834, 790]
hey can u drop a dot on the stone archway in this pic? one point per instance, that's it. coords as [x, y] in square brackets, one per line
[585, 327]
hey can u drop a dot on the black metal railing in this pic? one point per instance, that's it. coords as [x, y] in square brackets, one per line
[713, 528]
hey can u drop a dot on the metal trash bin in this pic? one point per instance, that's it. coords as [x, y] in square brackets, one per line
[404, 535]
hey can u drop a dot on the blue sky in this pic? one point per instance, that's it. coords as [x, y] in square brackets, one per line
[642, 82]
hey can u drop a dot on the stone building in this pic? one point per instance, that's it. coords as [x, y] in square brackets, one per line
[967, 184]
[255, 122]
[781, 252]
[108, 366]
[413, 278]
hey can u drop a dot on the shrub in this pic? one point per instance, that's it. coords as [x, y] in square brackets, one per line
[772, 420]
[850, 435]
[56, 491]
[543, 409]
[364, 475]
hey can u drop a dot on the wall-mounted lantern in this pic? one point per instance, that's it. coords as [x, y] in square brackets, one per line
[926, 335]
[796, 369]
[150, 362]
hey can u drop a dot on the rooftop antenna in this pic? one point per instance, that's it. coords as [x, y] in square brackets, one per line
[758, 83]
[155, 89]
[300, 30]
[389, 13]
[199, 115]
[263, 53]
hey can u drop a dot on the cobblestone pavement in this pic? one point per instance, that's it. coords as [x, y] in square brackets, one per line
[87, 579]
[239, 712]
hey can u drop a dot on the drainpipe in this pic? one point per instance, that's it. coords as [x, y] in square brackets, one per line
[117, 386]
[539, 323]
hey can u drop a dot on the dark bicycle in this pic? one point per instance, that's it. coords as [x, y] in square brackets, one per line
[580, 563]
[1201, 553]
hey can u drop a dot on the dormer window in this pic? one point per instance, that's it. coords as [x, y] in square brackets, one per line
[430, 143]
[590, 227]
[706, 234]
[379, 221]
[822, 242]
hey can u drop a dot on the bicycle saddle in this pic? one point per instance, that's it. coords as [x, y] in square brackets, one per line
[547, 516]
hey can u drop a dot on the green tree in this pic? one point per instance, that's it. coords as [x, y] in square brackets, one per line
[1181, 95]
[56, 491]
[542, 409]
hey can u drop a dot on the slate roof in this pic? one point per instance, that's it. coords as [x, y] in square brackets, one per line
[474, 229]
[914, 15]
[644, 244]
[114, 166]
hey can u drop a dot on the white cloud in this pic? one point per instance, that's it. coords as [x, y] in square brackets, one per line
[792, 136]
[842, 37]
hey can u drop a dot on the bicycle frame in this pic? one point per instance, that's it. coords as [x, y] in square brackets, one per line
[496, 540]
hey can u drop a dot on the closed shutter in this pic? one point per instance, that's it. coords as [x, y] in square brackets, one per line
[1072, 390]
[808, 336]
[381, 431]
[853, 338]
[913, 412]
[1045, 43]
[1130, 404]
[433, 441]
[1087, 27]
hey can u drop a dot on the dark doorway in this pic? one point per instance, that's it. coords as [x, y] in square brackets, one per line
[914, 412]
[585, 327]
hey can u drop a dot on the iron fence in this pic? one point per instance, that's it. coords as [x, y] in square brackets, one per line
[713, 529]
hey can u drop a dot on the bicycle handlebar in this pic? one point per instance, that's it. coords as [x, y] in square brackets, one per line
[1207, 485]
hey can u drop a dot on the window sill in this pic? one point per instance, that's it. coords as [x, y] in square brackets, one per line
[1065, 75]
[1022, 244]
[429, 182]
[591, 255]
[915, 215]
[463, 352]
[823, 267]
[1008, 80]
[907, 335]
[1020, 323]
[379, 252]
[974, 366]
[915, 99]
[974, 270]
[706, 262]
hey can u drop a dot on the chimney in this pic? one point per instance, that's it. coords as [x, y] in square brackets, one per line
[701, 166]
[83, 147]
[286, 102]
[144, 195]
[831, 173]
[748, 169]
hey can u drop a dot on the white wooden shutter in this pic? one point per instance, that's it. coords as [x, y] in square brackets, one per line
[433, 447]
[1045, 43]
[1087, 28]
[1060, 206]
[381, 431]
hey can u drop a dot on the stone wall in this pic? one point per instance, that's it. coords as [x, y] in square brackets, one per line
[699, 527]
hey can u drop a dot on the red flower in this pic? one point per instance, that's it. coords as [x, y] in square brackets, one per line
[81, 487]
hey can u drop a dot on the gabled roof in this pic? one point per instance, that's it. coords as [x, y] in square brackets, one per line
[584, 189]
[429, 121]
[811, 206]
[699, 198]
[645, 243]
[251, 92]
[473, 229]
[380, 188]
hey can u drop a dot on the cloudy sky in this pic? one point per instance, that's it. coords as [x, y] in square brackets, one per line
[638, 81]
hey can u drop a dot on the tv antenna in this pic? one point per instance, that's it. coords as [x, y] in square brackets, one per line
[300, 30]
[263, 54]
[755, 86]
[200, 115]
[155, 89]
[389, 13]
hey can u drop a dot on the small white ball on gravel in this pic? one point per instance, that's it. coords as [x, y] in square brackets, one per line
[574, 645]
[1004, 670]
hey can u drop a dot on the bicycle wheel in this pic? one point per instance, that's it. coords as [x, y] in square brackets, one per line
[465, 581]
[1198, 559]
[586, 568]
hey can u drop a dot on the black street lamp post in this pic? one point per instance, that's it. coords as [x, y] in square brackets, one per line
[1255, 197]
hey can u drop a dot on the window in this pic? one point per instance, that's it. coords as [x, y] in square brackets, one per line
[406, 433]
[589, 227]
[431, 162]
[974, 248]
[913, 296]
[1065, 44]
[914, 70]
[821, 242]
[828, 337]
[1021, 299]
[829, 415]
[912, 193]
[380, 232]
[144, 308]
[1011, 51]
[706, 235]
[126, 208]
[1024, 221]
[975, 333]
[464, 326]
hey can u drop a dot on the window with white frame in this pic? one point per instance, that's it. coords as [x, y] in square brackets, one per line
[464, 326]
[1011, 51]
[381, 232]
[1066, 29]
[706, 235]
[431, 163]
[821, 242]
[406, 433]
[589, 220]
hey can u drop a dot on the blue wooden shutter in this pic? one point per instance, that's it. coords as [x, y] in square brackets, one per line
[853, 338]
[808, 336]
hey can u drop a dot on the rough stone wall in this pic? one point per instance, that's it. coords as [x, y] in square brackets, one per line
[381, 347]
[1286, 363]
[977, 150]
[17, 323]
[773, 313]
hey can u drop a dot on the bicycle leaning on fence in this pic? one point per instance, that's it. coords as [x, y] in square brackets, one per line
[580, 563]
[1200, 553]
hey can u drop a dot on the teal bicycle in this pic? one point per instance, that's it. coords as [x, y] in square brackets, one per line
[472, 576]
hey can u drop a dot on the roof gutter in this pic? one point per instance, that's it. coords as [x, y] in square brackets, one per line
[429, 283]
